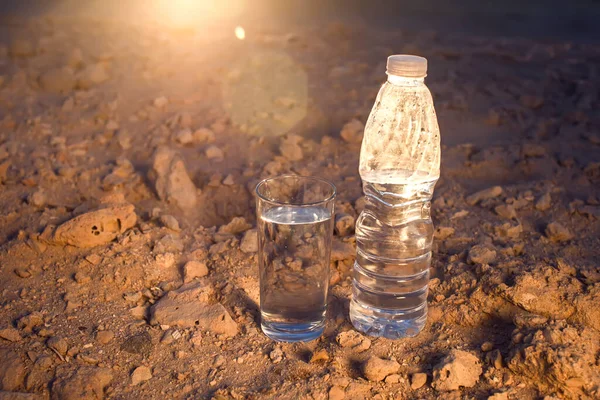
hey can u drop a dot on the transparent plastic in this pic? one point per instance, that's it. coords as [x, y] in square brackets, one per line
[399, 167]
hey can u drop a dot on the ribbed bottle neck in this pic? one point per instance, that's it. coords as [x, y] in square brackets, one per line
[397, 80]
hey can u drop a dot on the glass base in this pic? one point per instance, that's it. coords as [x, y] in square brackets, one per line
[293, 332]
[386, 325]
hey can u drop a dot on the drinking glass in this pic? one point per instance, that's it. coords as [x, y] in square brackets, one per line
[295, 228]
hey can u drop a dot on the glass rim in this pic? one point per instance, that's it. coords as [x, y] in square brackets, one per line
[310, 178]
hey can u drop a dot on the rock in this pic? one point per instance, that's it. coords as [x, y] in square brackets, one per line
[160, 102]
[191, 306]
[588, 311]
[487, 346]
[194, 269]
[235, 226]
[506, 211]
[290, 148]
[140, 374]
[58, 80]
[376, 369]
[85, 383]
[58, 344]
[91, 76]
[214, 153]
[319, 356]
[184, 136]
[249, 243]
[20, 396]
[354, 340]
[170, 222]
[391, 379]
[532, 150]
[484, 194]
[105, 337]
[12, 370]
[97, 227]
[203, 135]
[353, 131]
[544, 202]
[344, 224]
[75, 58]
[481, 254]
[139, 343]
[443, 232]
[276, 355]
[504, 396]
[459, 368]
[173, 183]
[30, 321]
[336, 393]
[138, 312]
[418, 380]
[21, 48]
[558, 233]
[10, 334]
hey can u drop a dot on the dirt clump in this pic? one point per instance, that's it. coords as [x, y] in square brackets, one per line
[458, 369]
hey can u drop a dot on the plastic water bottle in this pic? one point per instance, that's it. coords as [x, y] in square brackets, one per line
[399, 167]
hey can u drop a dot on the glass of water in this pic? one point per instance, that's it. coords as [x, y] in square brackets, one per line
[295, 228]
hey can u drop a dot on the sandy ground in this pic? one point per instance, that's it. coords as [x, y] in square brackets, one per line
[128, 158]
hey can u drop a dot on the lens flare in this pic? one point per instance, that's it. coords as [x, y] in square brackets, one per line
[240, 33]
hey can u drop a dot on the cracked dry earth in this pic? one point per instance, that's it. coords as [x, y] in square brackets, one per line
[128, 158]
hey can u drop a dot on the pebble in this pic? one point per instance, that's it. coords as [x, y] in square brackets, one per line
[228, 181]
[290, 148]
[194, 269]
[140, 374]
[418, 380]
[558, 233]
[184, 136]
[105, 337]
[84, 383]
[214, 153]
[443, 232]
[38, 198]
[58, 80]
[485, 194]
[58, 344]
[354, 340]
[344, 224]
[487, 346]
[160, 102]
[170, 222]
[139, 343]
[10, 334]
[22, 272]
[276, 355]
[173, 184]
[376, 369]
[544, 202]
[30, 321]
[203, 135]
[249, 243]
[21, 48]
[458, 368]
[353, 131]
[391, 379]
[319, 356]
[91, 76]
[531, 101]
[481, 254]
[506, 211]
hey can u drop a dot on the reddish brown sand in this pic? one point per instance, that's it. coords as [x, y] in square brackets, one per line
[128, 158]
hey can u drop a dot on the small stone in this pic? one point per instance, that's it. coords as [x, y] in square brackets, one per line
[194, 269]
[354, 340]
[105, 337]
[506, 211]
[12, 370]
[531, 101]
[140, 374]
[30, 321]
[84, 383]
[138, 312]
[481, 254]
[344, 224]
[82, 277]
[544, 202]
[558, 233]
[353, 131]
[249, 243]
[532, 150]
[170, 222]
[203, 135]
[173, 184]
[38, 199]
[228, 181]
[336, 393]
[290, 148]
[443, 232]
[459, 368]
[184, 136]
[22, 272]
[418, 380]
[235, 226]
[59, 345]
[391, 379]
[487, 346]
[160, 102]
[376, 369]
[485, 194]
[21, 48]
[276, 355]
[58, 80]
[139, 343]
[91, 76]
[318, 356]
[214, 153]
[10, 334]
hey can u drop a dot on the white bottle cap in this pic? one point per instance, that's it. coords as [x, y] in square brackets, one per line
[407, 66]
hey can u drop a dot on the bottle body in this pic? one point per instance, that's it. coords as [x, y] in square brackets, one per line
[399, 166]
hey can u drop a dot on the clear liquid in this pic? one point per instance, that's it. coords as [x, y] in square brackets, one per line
[393, 238]
[294, 251]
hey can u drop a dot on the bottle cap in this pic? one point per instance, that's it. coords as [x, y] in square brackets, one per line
[407, 66]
